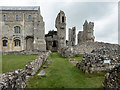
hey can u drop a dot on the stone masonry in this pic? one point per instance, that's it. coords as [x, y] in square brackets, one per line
[22, 29]
[87, 34]
[16, 80]
[60, 24]
[72, 36]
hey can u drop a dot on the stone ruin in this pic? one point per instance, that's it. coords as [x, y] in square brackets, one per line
[72, 36]
[87, 34]
[103, 59]
[17, 79]
[87, 48]
[52, 40]
[112, 79]
[92, 63]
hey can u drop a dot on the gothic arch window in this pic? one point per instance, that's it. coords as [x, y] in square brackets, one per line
[16, 29]
[5, 43]
[17, 42]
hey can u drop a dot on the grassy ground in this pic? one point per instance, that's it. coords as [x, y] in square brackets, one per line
[63, 74]
[12, 62]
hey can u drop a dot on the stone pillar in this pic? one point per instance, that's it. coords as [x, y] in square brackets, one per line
[60, 24]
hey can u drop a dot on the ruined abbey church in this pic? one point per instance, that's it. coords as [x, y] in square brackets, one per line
[56, 40]
[23, 28]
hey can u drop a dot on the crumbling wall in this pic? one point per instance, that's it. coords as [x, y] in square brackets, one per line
[17, 79]
[96, 62]
[112, 79]
[87, 48]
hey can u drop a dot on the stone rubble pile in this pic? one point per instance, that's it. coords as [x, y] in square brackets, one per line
[108, 52]
[112, 79]
[17, 79]
[86, 48]
[97, 62]
[100, 60]
[67, 51]
[13, 80]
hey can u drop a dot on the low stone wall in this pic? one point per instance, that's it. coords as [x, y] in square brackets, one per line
[98, 62]
[24, 52]
[112, 79]
[17, 78]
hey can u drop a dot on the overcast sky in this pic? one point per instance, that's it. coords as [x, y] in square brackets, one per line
[103, 14]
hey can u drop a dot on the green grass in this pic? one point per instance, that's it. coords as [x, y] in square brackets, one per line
[63, 74]
[13, 62]
[78, 58]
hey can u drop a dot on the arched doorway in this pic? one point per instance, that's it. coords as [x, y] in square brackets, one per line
[29, 43]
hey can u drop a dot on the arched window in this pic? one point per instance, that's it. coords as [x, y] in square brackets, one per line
[17, 42]
[5, 43]
[17, 29]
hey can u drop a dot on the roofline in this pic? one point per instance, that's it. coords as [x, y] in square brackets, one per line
[19, 8]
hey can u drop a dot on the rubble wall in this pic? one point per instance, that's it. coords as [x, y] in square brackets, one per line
[17, 78]
[86, 48]
[96, 62]
[112, 79]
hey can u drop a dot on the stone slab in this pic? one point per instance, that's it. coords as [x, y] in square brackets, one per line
[42, 73]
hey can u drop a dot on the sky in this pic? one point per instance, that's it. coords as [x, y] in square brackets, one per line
[103, 14]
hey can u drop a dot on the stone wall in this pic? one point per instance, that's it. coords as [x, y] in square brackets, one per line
[17, 78]
[31, 26]
[112, 79]
[93, 62]
[24, 52]
[99, 60]
[86, 48]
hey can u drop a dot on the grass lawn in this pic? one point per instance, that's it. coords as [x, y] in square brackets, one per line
[63, 74]
[12, 62]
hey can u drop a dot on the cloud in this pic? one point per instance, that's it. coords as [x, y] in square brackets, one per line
[103, 14]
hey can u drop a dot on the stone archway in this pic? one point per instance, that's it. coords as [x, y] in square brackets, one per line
[29, 43]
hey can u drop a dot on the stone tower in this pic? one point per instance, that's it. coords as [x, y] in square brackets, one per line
[87, 35]
[88, 31]
[72, 36]
[60, 24]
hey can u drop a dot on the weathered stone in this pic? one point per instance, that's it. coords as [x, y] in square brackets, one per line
[71, 59]
[45, 66]
[112, 79]
[103, 59]
[15, 21]
[42, 73]
[87, 34]
[17, 79]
